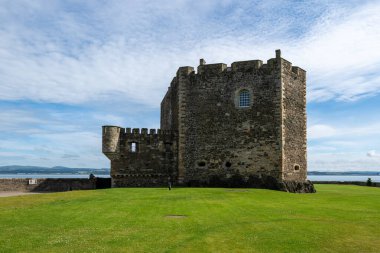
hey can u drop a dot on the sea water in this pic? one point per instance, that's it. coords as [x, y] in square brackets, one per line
[344, 178]
[310, 177]
[22, 175]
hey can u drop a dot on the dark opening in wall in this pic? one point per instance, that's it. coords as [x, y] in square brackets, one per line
[296, 167]
[201, 163]
[228, 164]
[168, 147]
[133, 147]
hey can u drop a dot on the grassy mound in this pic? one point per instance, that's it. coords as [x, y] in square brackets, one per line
[335, 219]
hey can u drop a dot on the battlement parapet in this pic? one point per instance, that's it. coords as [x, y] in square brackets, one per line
[141, 131]
[299, 72]
[113, 134]
[246, 65]
[286, 66]
[116, 138]
[271, 63]
[212, 68]
[239, 66]
[186, 70]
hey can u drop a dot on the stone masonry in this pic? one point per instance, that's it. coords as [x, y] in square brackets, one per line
[237, 126]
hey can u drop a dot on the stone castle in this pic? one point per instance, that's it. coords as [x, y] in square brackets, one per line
[237, 126]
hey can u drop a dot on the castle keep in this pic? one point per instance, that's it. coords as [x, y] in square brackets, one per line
[237, 126]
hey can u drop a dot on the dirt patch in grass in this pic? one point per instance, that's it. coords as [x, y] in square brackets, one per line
[13, 193]
[237, 190]
[176, 216]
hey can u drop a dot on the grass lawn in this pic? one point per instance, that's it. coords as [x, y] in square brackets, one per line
[337, 218]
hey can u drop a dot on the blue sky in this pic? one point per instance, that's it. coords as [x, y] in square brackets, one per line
[69, 67]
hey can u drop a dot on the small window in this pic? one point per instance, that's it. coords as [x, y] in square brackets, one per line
[133, 147]
[228, 164]
[244, 98]
[168, 147]
[201, 163]
[296, 167]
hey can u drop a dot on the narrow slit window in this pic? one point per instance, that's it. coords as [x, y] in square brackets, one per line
[168, 147]
[244, 98]
[133, 147]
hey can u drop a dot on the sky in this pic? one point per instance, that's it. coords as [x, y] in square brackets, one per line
[68, 67]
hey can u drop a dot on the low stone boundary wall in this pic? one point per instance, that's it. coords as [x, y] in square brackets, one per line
[374, 184]
[46, 184]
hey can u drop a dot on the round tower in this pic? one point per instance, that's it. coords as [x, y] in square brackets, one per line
[110, 140]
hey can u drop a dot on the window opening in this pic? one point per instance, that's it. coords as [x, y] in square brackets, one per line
[134, 147]
[201, 164]
[168, 147]
[244, 98]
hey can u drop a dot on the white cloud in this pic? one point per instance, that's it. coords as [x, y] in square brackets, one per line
[119, 55]
[79, 149]
[373, 153]
[319, 148]
[320, 131]
[344, 161]
[340, 52]
[341, 147]
[70, 156]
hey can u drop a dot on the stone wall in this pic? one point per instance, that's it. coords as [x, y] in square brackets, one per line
[218, 137]
[183, 100]
[150, 164]
[166, 111]
[46, 184]
[169, 108]
[294, 122]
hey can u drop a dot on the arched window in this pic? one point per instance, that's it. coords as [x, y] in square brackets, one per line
[244, 98]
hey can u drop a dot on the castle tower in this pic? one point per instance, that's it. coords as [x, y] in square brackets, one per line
[246, 122]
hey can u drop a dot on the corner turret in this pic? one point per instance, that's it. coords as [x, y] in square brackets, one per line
[110, 140]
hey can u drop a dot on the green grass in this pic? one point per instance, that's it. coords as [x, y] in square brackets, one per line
[335, 219]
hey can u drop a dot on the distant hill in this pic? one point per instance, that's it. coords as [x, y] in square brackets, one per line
[17, 169]
[345, 173]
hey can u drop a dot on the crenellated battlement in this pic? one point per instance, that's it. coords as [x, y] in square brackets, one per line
[184, 71]
[236, 67]
[146, 132]
[246, 65]
[215, 68]
[107, 130]
[115, 137]
[299, 72]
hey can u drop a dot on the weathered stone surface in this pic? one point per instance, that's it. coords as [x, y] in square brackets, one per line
[46, 184]
[151, 163]
[208, 139]
[297, 186]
